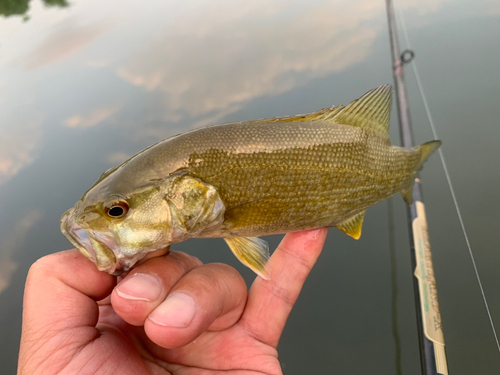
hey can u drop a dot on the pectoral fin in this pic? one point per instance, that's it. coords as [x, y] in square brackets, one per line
[252, 252]
[352, 227]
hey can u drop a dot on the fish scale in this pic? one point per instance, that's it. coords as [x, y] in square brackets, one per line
[338, 169]
[247, 179]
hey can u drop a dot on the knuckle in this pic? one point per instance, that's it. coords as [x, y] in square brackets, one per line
[300, 258]
[42, 266]
[220, 280]
[281, 293]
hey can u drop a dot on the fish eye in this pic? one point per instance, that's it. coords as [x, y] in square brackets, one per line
[116, 208]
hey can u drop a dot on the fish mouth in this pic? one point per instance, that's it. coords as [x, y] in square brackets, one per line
[98, 248]
[76, 235]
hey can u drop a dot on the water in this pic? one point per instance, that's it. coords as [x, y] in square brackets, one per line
[85, 86]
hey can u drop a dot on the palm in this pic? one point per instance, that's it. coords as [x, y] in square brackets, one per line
[211, 353]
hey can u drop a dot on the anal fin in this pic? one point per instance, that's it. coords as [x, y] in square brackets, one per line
[352, 227]
[253, 252]
[408, 194]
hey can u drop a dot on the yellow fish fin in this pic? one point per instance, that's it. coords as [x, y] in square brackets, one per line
[352, 227]
[408, 194]
[426, 150]
[371, 111]
[253, 252]
[322, 114]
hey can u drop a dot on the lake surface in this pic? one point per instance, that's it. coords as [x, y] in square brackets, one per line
[85, 86]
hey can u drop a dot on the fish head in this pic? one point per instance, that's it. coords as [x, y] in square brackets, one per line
[115, 226]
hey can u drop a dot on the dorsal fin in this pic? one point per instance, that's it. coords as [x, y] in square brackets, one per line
[371, 111]
[322, 114]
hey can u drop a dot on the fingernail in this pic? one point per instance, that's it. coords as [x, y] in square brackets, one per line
[140, 287]
[177, 311]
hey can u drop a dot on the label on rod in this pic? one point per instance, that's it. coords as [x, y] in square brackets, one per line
[424, 272]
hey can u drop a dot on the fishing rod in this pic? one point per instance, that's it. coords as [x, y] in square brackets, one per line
[429, 325]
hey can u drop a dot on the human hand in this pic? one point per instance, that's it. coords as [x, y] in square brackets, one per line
[169, 315]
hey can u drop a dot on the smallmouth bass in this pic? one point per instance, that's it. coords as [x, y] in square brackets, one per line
[243, 180]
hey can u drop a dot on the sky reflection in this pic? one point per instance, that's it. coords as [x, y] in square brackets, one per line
[13, 242]
[205, 60]
[84, 87]
[93, 118]
[285, 46]
[20, 139]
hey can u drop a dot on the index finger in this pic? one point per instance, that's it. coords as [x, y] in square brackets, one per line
[270, 301]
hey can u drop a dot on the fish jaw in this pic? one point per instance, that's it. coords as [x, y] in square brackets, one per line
[76, 234]
[98, 248]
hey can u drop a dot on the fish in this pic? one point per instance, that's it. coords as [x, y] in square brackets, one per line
[240, 181]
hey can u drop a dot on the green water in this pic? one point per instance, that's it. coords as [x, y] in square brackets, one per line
[85, 86]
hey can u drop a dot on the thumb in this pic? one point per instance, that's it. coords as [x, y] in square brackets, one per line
[60, 309]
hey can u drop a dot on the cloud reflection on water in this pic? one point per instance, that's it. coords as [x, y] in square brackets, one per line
[19, 143]
[11, 243]
[92, 118]
[64, 40]
[220, 56]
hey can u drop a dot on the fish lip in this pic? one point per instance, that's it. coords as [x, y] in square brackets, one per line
[74, 233]
[86, 240]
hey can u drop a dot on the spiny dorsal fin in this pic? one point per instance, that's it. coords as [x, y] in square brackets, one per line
[352, 227]
[371, 111]
[322, 114]
[252, 252]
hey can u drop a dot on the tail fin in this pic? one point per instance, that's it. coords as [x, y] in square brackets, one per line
[426, 150]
